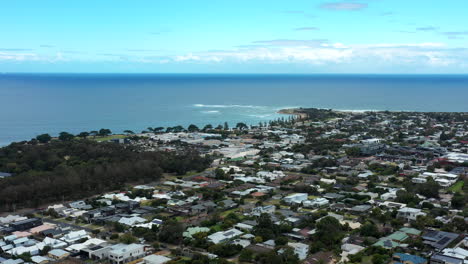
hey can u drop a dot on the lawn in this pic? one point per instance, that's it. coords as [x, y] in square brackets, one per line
[457, 187]
[100, 139]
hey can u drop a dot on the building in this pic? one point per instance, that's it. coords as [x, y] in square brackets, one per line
[58, 254]
[122, 253]
[315, 203]
[296, 198]
[450, 256]
[300, 249]
[409, 213]
[399, 258]
[224, 236]
[438, 239]
[26, 224]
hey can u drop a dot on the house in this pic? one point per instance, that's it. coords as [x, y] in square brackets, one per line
[360, 209]
[74, 236]
[39, 259]
[438, 239]
[26, 224]
[333, 196]
[131, 221]
[409, 213]
[316, 203]
[121, 253]
[295, 198]
[399, 258]
[194, 230]
[198, 209]
[268, 209]
[300, 249]
[224, 236]
[450, 256]
[58, 254]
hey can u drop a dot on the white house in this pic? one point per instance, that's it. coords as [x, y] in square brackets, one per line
[296, 198]
[409, 213]
[122, 253]
[300, 249]
[317, 202]
[224, 236]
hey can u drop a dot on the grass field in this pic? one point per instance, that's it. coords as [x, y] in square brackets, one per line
[457, 187]
[100, 139]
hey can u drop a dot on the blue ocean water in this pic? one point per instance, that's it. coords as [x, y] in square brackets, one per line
[31, 104]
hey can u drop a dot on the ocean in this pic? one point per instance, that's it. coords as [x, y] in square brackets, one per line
[31, 104]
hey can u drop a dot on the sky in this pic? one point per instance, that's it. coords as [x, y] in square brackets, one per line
[241, 36]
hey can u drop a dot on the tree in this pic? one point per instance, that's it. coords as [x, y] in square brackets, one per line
[104, 132]
[129, 132]
[83, 135]
[127, 238]
[171, 232]
[226, 126]
[458, 201]
[65, 136]
[281, 241]
[177, 129]
[192, 128]
[207, 127]
[329, 231]
[353, 152]
[246, 255]
[44, 250]
[241, 126]
[44, 138]
[369, 229]
[158, 129]
[220, 174]
[429, 189]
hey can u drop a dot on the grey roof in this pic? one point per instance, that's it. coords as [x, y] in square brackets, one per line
[446, 259]
[439, 239]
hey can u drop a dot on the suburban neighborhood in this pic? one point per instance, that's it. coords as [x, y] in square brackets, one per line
[315, 187]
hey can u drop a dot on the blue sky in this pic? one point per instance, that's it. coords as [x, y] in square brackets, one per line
[242, 36]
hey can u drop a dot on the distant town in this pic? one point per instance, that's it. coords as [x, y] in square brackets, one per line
[315, 187]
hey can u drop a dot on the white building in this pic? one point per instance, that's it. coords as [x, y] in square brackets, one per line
[315, 203]
[300, 249]
[122, 253]
[409, 213]
[443, 179]
[296, 198]
[224, 236]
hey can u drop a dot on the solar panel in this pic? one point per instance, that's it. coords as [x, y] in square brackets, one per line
[443, 241]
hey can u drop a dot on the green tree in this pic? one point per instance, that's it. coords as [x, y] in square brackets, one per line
[246, 255]
[44, 138]
[65, 136]
[353, 152]
[104, 132]
[171, 232]
[241, 126]
[220, 174]
[192, 128]
[127, 238]
[158, 129]
[207, 127]
[83, 135]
